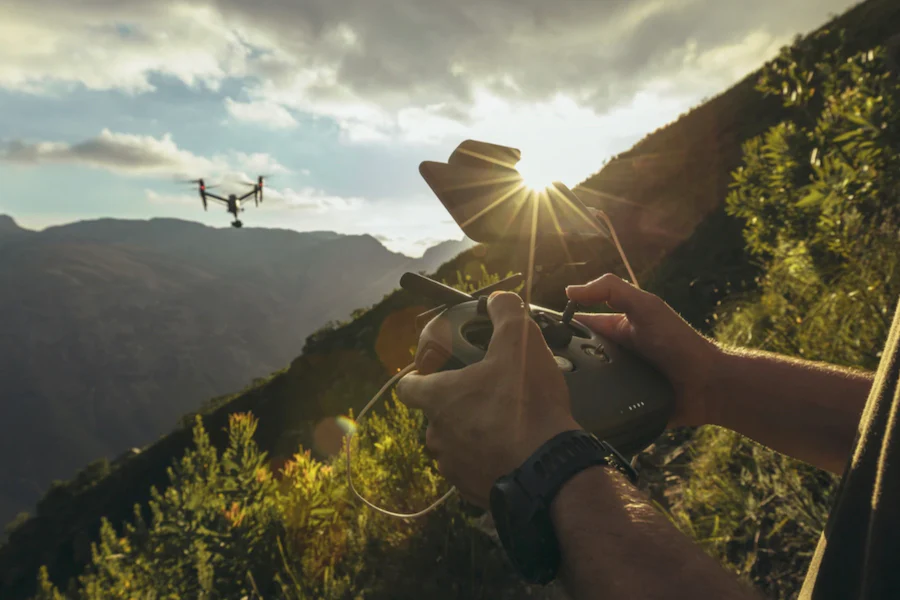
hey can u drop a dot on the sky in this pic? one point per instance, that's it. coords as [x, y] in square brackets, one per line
[105, 104]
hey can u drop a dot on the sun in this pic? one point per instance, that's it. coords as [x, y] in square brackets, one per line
[535, 175]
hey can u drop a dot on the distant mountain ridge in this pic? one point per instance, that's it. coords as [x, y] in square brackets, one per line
[113, 329]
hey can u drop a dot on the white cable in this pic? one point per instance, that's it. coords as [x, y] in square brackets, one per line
[362, 413]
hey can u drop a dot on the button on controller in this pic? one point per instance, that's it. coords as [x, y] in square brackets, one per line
[564, 363]
[597, 352]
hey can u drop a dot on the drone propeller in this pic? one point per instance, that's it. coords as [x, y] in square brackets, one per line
[259, 181]
[199, 182]
[257, 187]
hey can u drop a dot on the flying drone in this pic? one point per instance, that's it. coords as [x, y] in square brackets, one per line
[234, 203]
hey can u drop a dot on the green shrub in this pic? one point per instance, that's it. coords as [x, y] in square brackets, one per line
[231, 526]
[818, 194]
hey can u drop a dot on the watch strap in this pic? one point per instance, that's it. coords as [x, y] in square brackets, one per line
[562, 457]
[520, 501]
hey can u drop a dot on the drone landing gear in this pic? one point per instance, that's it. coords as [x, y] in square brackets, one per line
[237, 223]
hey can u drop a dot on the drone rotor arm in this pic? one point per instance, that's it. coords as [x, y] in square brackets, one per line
[247, 195]
[219, 198]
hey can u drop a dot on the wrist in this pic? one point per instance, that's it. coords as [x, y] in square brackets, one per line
[591, 487]
[539, 433]
[720, 359]
[539, 507]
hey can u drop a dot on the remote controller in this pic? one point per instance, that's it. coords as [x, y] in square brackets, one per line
[614, 394]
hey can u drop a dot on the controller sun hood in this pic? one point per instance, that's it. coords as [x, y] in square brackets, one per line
[481, 189]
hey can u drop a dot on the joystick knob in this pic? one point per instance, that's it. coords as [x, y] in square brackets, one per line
[557, 334]
[569, 312]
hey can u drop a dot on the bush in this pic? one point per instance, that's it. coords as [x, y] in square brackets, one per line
[229, 526]
[818, 196]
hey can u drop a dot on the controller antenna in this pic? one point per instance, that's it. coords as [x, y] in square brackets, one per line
[434, 290]
[569, 312]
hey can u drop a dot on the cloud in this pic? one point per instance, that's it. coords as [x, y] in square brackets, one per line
[119, 152]
[156, 198]
[106, 45]
[311, 199]
[393, 69]
[258, 163]
[262, 112]
[139, 155]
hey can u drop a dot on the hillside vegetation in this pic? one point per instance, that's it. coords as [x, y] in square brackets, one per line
[283, 526]
[818, 196]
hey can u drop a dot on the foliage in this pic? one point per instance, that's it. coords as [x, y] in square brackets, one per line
[16, 522]
[468, 284]
[818, 195]
[229, 526]
[821, 213]
[759, 512]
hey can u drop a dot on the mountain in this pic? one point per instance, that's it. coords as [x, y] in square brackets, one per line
[10, 230]
[113, 329]
[8, 225]
[672, 224]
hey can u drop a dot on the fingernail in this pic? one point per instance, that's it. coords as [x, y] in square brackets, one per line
[494, 294]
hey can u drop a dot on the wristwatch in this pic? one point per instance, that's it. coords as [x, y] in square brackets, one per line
[520, 501]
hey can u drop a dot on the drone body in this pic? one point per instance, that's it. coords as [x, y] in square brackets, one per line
[233, 203]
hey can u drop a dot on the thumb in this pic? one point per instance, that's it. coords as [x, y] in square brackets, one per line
[614, 326]
[510, 319]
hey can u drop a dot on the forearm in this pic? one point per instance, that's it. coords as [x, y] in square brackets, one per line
[803, 409]
[615, 545]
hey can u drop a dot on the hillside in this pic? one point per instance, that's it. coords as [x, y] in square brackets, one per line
[684, 245]
[675, 178]
[114, 329]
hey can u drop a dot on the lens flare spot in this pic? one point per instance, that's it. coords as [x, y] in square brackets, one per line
[327, 437]
[396, 334]
[346, 424]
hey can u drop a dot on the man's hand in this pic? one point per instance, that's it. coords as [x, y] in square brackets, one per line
[806, 410]
[486, 419]
[646, 325]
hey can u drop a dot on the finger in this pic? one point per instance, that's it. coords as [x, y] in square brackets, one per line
[620, 295]
[430, 359]
[422, 391]
[511, 322]
[614, 326]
